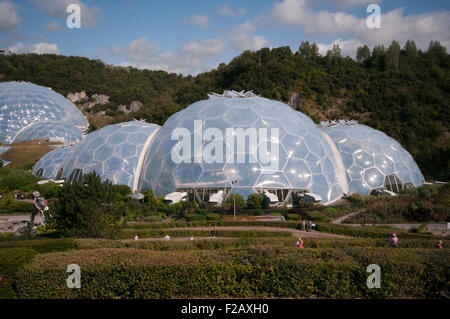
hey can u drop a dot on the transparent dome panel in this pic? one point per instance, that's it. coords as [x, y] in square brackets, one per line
[51, 163]
[284, 139]
[370, 155]
[23, 105]
[113, 152]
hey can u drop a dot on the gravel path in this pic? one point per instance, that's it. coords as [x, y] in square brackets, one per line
[294, 232]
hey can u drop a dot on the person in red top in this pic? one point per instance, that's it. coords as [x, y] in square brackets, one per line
[299, 243]
[439, 245]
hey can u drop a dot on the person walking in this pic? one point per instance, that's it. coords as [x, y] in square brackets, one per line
[439, 245]
[309, 225]
[304, 225]
[394, 240]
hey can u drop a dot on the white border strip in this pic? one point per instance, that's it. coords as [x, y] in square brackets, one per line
[342, 177]
[137, 176]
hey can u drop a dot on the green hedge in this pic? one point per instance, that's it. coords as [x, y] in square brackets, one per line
[41, 245]
[369, 232]
[245, 272]
[222, 243]
[11, 260]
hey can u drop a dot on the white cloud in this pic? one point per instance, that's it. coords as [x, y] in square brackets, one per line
[193, 57]
[116, 49]
[90, 16]
[39, 48]
[348, 47]
[198, 20]
[394, 26]
[242, 38]
[53, 26]
[224, 10]
[9, 17]
[345, 4]
[140, 49]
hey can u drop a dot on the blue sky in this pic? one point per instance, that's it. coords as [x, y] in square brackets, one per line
[193, 36]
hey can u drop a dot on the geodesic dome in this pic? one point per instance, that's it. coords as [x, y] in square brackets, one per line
[305, 159]
[373, 160]
[50, 165]
[115, 152]
[23, 105]
[55, 131]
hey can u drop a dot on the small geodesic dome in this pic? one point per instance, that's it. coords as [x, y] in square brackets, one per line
[54, 131]
[115, 152]
[23, 105]
[305, 159]
[50, 166]
[372, 159]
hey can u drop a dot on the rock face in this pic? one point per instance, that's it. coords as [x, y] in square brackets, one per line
[295, 101]
[76, 97]
[100, 99]
[134, 107]
[124, 109]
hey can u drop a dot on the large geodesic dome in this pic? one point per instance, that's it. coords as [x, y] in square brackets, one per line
[372, 159]
[23, 105]
[115, 152]
[50, 166]
[299, 158]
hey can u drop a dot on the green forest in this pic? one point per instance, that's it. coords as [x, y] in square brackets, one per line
[402, 91]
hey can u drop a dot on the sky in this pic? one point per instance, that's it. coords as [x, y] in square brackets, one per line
[194, 36]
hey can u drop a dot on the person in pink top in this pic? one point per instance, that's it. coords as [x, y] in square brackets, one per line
[394, 240]
[439, 245]
[136, 238]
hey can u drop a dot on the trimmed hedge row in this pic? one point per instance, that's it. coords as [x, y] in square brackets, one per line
[154, 233]
[369, 232]
[41, 245]
[247, 272]
[249, 242]
[11, 260]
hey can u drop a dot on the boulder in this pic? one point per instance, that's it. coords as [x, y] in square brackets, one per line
[135, 106]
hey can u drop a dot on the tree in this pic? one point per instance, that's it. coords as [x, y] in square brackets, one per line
[410, 49]
[240, 201]
[255, 201]
[91, 208]
[393, 55]
[308, 50]
[363, 54]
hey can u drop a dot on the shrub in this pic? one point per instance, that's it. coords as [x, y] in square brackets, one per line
[239, 200]
[255, 201]
[315, 215]
[294, 217]
[213, 216]
[194, 217]
[12, 179]
[11, 260]
[88, 209]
